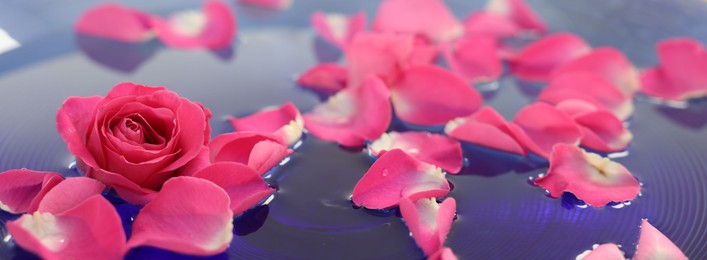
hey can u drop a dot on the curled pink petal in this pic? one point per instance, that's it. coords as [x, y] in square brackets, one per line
[490, 24]
[594, 179]
[588, 87]
[519, 12]
[116, 22]
[434, 149]
[601, 130]
[338, 29]
[212, 28]
[22, 190]
[652, 244]
[431, 18]
[268, 4]
[285, 122]
[325, 77]
[430, 95]
[384, 55]
[603, 252]
[90, 230]
[428, 221]
[680, 75]
[260, 151]
[188, 216]
[244, 185]
[485, 128]
[396, 175]
[537, 60]
[423, 51]
[353, 115]
[70, 193]
[475, 58]
[445, 253]
[608, 63]
[538, 127]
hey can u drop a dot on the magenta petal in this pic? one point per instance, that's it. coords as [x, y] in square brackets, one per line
[475, 58]
[353, 115]
[73, 122]
[338, 29]
[267, 4]
[490, 24]
[188, 216]
[445, 253]
[22, 190]
[431, 18]
[434, 149]
[91, 230]
[539, 127]
[652, 244]
[244, 186]
[285, 122]
[396, 175]
[519, 12]
[70, 193]
[485, 128]
[260, 151]
[212, 28]
[378, 54]
[589, 87]
[537, 60]
[115, 22]
[430, 95]
[325, 77]
[680, 75]
[428, 221]
[603, 252]
[590, 177]
[608, 63]
[601, 130]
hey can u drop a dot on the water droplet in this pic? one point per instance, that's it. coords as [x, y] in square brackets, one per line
[7, 238]
[297, 144]
[269, 199]
[617, 154]
[285, 161]
[618, 206]
[594, 246]
[132, 219]
[582, 206]
[72, 165]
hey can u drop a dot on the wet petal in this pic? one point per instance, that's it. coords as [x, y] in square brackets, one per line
[603, 252]
[445, 253]
[116, 22]
[590, 177]
[519, 12]
[608, 63]
[70, 193]
[396, 175]
[244, 185]
[490, 24]
[260, 151]
[378, 54]
[188, 216]
[538, 127]
[601, 130]
[588, 87]
[91, 230]
[537, 60]
[212, 28]
[325, 77]
[475, 58]
[268, 4]
[338, 29]
[22, 190]
[428, 221]
[485, 128]
[434, 149]
[353, 115]
[430, 95]
[680, 75]
[431, 18]
[285, 122]
[652, 244]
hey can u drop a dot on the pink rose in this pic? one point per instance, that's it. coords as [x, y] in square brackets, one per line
[135, 138]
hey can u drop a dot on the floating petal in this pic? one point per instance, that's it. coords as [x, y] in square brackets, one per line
[601, 130]
[434, 149]
[485, 128]
[537, 60]
[519, 12]
[285, 122]
[538, 127]
[603, 252]
[22, 190]
[325, 77]
[475, 58]
[445, 253]
[652, 244]
[431, 18]
[428, 221]
[70, 193]
[260, 151]
[384, 55]
[680, 75]
[268, 4]
[608, 63]
[116, 22]
[244, 185]
[212, 28]
[338, 29]
[589, 87]
[491, 25]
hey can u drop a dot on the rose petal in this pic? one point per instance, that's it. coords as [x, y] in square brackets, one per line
[423, 51]
[127, 189]
[538, 127]
[601, 130]
[608, 63]
[652, 244]
[591, 178]
[434, 149]
[260, 151]
[485, 128]
[490, 24]
[285, 122]
[212, 28]
[70, 193]
[90, 230]
[22, 190]
[73, 121]
[445, 253]
[519, 12]
[353, 115]
[268, 4]
[188, 216]
[590, 88]
[537, 60]
[396, 175]
[244, 185]
[115, 22]
[338, 29]
[474, 58]
[430, 95]
[428, 221]
[381, 54]
[325, 77]
[603, 252]
[431, 18]
[680, 75]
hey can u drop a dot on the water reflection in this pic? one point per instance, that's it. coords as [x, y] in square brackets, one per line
[694, 116]
[325, 51]
[123, 57]
[251, 220]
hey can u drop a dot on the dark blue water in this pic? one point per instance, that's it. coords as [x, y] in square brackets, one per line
[500, 215]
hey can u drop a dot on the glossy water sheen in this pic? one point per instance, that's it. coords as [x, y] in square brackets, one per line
[500, 216]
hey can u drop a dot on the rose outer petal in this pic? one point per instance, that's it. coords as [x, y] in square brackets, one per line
[285, 122]
[268, 4]
[396, 175]
[588, 87]
[338, 29]
[485, 128]
[73, 122]
[680, 75]
[22, 190]
[188, 216]
[325, 77]
[70, 193]
[431, 18]
[244, 185]
[115, 22]
[434, 149]
[475, 58]
[603, 252]
[213, 28]
[608, 63]
[538, 127]
[652, 244]
[260, 151]
[537, 60]
[428, 221]
[591, 178]
[90, 230]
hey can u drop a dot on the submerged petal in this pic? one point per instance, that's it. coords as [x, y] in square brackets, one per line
[116, 22]
[285, 122]
[680, 75]
[431, 18]
[652, 244]
[485, 128]
[212, 28]
[325, 77]
[590, 177]
[608, 63]
[434, 149]
[474, 58]
[588, 87]
[338, 29]
[22, 190]
[244, 185]
[260, 151]
[537, 60]
[603, 252]
[538, 127]
[428, 221]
